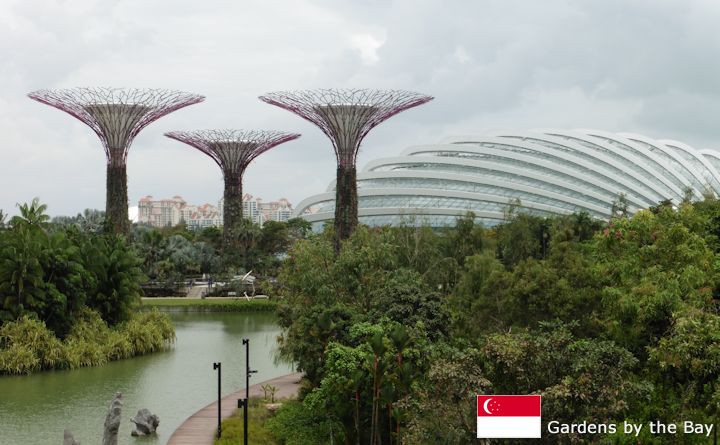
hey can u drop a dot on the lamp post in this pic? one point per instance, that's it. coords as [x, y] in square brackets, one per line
[244, 403]
[217, 366]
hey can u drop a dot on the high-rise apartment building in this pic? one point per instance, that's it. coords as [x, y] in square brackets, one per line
[258, 211]
[161, 213]
[170, 212]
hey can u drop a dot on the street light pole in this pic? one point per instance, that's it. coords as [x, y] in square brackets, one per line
[244, 403]
[217, 366]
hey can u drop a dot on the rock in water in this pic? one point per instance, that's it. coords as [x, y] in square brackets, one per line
[68, 438]
[145, 423]
[112, 421]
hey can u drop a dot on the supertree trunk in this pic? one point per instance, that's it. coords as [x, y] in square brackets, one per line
[116, 202]
[232, 212]
[346, 204]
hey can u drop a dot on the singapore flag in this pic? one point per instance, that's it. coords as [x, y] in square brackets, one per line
[508, 417]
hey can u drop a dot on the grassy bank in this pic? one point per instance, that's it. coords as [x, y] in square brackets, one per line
[258, 434]
[288, 425]
[207, 305]
[27, 345]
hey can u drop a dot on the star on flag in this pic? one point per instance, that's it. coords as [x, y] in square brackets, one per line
[509, 416]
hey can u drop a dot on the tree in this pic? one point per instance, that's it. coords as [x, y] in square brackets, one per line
[117, 275]
[274, 237]
[523, 237]
[465, 239]
[211, 236]
[580, 379]
[365, 379]
[620, 207]
[298, 228]
[21, 274]
[32, 215]
[90, 220]
[405, 298]
[480, 294]
[442, 408]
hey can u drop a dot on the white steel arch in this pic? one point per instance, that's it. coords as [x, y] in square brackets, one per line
[652, 193]
[530, 164]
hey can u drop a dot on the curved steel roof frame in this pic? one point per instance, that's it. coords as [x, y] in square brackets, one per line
[551, 171]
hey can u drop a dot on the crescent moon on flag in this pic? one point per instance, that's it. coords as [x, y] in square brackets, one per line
[485, 406]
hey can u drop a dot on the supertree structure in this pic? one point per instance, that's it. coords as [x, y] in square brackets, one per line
[345, 116]
[116, 115]
[233, 151]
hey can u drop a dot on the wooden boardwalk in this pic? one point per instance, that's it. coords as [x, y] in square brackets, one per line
[200, 428]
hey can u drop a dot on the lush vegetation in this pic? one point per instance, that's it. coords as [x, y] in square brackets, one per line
[27, 345]
[67, 295]
[52, 273]
[608, 321]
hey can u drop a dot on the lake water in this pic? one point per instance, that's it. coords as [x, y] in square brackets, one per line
[34, 410]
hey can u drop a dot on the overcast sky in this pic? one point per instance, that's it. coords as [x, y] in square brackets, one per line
[650, 67]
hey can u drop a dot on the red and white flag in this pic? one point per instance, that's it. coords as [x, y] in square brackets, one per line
[508, 417]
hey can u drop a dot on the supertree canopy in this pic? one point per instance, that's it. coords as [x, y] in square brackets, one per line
[233, 151]
[116, 115]
[346, 116]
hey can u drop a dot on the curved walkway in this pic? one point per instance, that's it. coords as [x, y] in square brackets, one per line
[200, 428]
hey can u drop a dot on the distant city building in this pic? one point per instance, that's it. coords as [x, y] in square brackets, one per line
[200, 217]
[161, 213]
[250, 208]
[283, 214]
[258, 211]
[170, 212]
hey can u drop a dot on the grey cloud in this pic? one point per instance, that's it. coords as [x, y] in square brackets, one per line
[622, 65]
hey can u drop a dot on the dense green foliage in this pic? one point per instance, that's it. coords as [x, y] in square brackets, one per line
[608, 321]
[52, 272]
[27, 345]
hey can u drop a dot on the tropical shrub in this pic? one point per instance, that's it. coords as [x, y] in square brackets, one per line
[52, 272]
[27, 345]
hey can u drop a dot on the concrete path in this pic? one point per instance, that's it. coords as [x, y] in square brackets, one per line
[200, 428]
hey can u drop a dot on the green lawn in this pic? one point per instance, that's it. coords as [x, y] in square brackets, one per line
[208, 305]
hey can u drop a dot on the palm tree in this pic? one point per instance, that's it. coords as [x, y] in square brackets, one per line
[21, 274]
[91, 220]
[32, 215]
